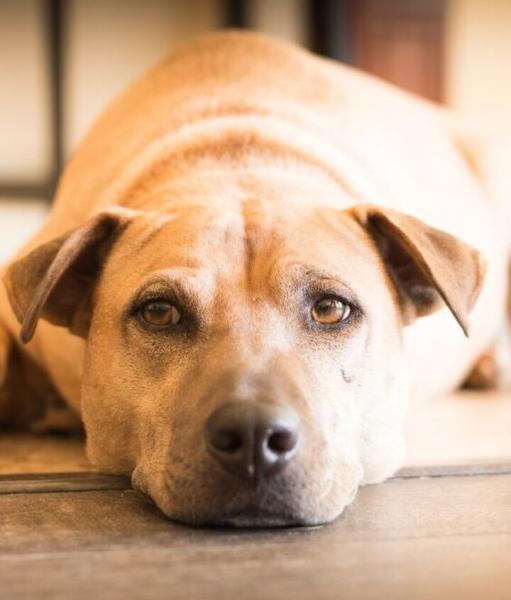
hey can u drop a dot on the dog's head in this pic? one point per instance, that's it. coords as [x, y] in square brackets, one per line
[245, 367]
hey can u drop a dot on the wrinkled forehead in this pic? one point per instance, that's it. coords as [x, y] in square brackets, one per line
[192, 237]
[195, 245]
[263, 245]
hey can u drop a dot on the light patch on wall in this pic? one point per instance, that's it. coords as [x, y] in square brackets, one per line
[286, 19]
[18, 221]
[25, 137]
[478, 47]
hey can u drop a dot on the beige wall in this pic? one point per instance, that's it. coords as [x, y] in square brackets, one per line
[25, 144]
[284, 18]
[19, 219]
[110, 43]
[479, 60]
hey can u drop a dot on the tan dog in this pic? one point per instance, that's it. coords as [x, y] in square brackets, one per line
[222, 288]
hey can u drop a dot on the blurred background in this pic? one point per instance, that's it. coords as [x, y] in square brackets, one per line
[62, 61]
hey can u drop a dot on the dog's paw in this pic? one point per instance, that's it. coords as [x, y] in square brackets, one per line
[5, 355]
[485, 373]
[57, 418]
[492, 371]
[5, 350]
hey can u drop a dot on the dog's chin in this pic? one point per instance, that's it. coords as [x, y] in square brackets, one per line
[256, 510]
[252, 517]
[260, 519]
[214, 498]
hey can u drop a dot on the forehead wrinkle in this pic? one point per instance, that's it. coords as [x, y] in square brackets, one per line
[209, 253]
[152, 224]
[261, 236]
[188, 233]
[249, 210]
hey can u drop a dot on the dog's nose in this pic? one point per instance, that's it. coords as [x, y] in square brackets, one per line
[253, 440]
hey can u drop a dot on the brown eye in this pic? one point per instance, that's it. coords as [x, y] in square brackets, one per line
[160, 313]
[329, 311]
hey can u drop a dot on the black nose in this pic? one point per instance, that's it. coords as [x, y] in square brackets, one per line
[252, 439]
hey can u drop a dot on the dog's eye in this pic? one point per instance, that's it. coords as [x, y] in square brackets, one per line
[160, 313]
[329, 311]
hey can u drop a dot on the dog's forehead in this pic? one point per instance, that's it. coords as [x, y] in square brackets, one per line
[303, 240]
[189, 236]
[182, 230]
[267, 241]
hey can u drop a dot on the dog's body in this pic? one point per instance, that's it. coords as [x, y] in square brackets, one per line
[236, 146]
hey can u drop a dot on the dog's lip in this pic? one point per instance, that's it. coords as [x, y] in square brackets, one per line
[245, 512]
[257, 512]
[255, 518]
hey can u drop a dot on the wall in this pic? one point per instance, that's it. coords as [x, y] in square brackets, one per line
[24, 92]
[110, 43]
[478, 60]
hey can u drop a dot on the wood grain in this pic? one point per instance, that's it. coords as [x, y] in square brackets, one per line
[61, 482]
[437, 537]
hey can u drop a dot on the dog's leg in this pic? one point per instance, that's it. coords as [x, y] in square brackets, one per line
[27, 397]
[6, 344]
[493, 368]
[57, 417]
[5, 350]
[485, 374]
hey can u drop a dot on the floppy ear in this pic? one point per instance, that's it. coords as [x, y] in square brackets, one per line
[427, 265]
[55, 281]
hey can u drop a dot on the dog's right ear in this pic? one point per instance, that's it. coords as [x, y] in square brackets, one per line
[55, 281]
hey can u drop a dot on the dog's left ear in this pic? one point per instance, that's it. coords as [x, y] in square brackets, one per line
[427, 265]
[54, 281]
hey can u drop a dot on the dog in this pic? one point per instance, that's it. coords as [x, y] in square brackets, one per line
[235, 288]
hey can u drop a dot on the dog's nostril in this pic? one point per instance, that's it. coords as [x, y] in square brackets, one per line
[282, 441]
[227, 441]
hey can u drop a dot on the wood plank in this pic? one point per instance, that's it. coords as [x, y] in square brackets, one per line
[446, 470]
[91, 481]
[466, 568]
[61, 482]
[421, 538]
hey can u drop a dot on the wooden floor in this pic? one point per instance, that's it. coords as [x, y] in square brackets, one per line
[433, 531]
[428, 533]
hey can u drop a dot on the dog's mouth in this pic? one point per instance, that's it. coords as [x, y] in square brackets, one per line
[244, 512]
[279, 514]
[251, 517]
[204, 495]
[255, 518]
[235, 515]
[255, 507]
